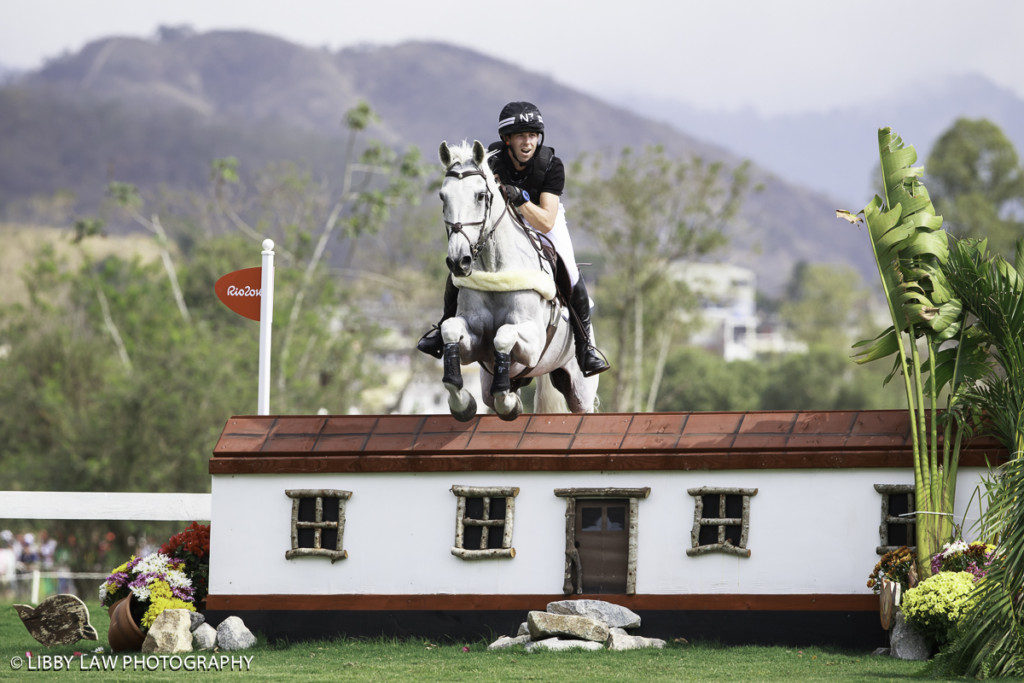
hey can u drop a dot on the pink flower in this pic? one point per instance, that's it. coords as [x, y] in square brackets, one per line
[465, 649]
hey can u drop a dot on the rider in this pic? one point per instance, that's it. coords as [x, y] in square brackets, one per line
[532, 180]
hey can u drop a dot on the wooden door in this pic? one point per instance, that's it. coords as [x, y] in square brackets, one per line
[602, 539]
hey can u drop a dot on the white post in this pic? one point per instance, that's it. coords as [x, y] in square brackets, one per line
[266, 321]
[35, 587]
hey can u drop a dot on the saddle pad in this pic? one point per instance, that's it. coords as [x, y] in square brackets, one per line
[509, 281]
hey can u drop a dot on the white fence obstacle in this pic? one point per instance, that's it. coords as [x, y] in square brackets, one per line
[154, 507]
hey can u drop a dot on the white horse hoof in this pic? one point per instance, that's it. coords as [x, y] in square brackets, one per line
[467, 413]
[508, 406]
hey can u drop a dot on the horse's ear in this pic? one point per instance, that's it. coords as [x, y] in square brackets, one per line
[478, 152]
[444, 154]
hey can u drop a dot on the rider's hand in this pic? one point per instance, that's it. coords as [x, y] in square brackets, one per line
[517, 196]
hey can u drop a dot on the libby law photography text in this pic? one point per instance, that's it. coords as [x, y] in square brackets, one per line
[88, 662]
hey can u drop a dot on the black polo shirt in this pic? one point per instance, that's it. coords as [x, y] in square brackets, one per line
[553, 180]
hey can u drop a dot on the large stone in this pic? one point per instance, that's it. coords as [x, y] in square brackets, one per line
[204, 637]
[58, 620]
[524, 629]
[559, 644]
[170, 633]
[609, 613]
[508, 641]
[545, 625]
[233, 635]
[624, 641]
[197, 619]
[905, 642]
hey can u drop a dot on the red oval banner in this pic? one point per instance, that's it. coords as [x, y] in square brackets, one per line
[240, 291]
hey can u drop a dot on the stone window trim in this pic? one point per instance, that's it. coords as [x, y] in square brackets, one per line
[723, 545]
[317, 525]
[887, 490]
[572, 558]
[462, 494]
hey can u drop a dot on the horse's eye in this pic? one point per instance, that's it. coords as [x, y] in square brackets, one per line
[441, 195]
[480, 196]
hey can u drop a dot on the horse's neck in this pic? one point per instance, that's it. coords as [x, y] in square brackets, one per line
[509, 248]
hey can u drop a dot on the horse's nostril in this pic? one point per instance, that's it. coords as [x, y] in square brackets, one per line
[466, 262]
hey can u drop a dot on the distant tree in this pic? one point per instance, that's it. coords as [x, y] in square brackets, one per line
[647, 212]
[825, 304]
[978, 183]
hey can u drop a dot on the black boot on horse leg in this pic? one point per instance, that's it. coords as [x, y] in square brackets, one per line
[461, 403]
[591, 362]
[431, 343]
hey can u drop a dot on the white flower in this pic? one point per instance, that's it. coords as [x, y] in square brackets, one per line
[958, 546]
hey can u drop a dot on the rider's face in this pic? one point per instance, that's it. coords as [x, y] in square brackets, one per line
[523, 145]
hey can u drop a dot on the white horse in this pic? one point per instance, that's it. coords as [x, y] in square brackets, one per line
[509, 319]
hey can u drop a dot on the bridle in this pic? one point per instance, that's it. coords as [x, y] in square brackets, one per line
[485, 230]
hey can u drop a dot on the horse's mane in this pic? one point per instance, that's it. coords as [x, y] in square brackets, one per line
[462, 153]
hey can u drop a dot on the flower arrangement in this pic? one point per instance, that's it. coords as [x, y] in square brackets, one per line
[897, 566]
[937, 604]
[960, 556]
[156, 581]
[192, 547]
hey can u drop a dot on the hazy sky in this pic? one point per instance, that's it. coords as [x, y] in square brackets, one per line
[782, 55]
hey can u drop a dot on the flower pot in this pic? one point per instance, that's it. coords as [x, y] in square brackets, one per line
[124, 633]
[888, 602]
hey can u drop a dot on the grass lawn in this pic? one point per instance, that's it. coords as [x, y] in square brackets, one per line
[417, 659]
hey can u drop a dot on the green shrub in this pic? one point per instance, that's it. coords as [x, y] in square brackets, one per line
[937, 604]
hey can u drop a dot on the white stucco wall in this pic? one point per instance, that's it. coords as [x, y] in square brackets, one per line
[811, 531]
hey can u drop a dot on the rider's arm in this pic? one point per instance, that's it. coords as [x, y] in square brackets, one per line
[542, 217]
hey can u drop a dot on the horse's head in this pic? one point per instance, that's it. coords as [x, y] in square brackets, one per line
[467, 193]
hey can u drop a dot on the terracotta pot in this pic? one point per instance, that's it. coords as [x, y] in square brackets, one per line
[888, 602]
[124, 634]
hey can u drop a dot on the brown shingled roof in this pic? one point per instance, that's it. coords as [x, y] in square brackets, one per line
[605, 441]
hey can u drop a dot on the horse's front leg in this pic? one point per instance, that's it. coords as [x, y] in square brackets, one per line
[457, 339]
[511, 337]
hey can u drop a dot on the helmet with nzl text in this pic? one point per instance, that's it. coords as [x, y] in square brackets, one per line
[520, 117]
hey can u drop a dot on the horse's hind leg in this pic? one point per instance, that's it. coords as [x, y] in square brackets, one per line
[580, 392]
[460, 402]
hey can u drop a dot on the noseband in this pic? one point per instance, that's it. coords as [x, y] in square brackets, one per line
[485, 231]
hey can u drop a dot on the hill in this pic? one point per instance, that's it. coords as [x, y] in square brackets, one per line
[843, 142]
[156, 111]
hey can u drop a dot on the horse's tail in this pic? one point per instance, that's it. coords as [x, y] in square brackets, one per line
[547, 399]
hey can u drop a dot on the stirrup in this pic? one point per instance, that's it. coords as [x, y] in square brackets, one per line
[432, 343]
[598, 363]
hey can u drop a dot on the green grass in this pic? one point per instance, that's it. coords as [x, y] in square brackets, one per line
[418, 659]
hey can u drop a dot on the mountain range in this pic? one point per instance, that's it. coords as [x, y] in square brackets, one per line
[836, 151]
[156, 111]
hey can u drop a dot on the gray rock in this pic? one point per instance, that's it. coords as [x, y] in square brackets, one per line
[545, 625]
[624, 641]
[881, 652]
[169, 633]
[508, 641]
[197, 619]
[524, 630]
[233, 635]
[609, 613]
[559, 644]
[616, 629]
[204, 637]
[58, 620]
[906, 643]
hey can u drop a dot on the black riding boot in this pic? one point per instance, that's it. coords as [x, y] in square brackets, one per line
[431, 343]
[591, 362]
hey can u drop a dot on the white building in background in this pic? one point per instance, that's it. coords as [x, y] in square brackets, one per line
[728, 322]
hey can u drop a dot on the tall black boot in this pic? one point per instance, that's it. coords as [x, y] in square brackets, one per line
[591, 362]
[431, 343]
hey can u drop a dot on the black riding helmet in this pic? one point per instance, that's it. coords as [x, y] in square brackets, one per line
[520, 117]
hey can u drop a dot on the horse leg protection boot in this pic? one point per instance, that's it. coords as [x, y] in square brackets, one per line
[452, 365]
[431, 343]
[501, 382]
[591, 362]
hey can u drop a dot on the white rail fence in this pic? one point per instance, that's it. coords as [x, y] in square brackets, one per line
[150, 507]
